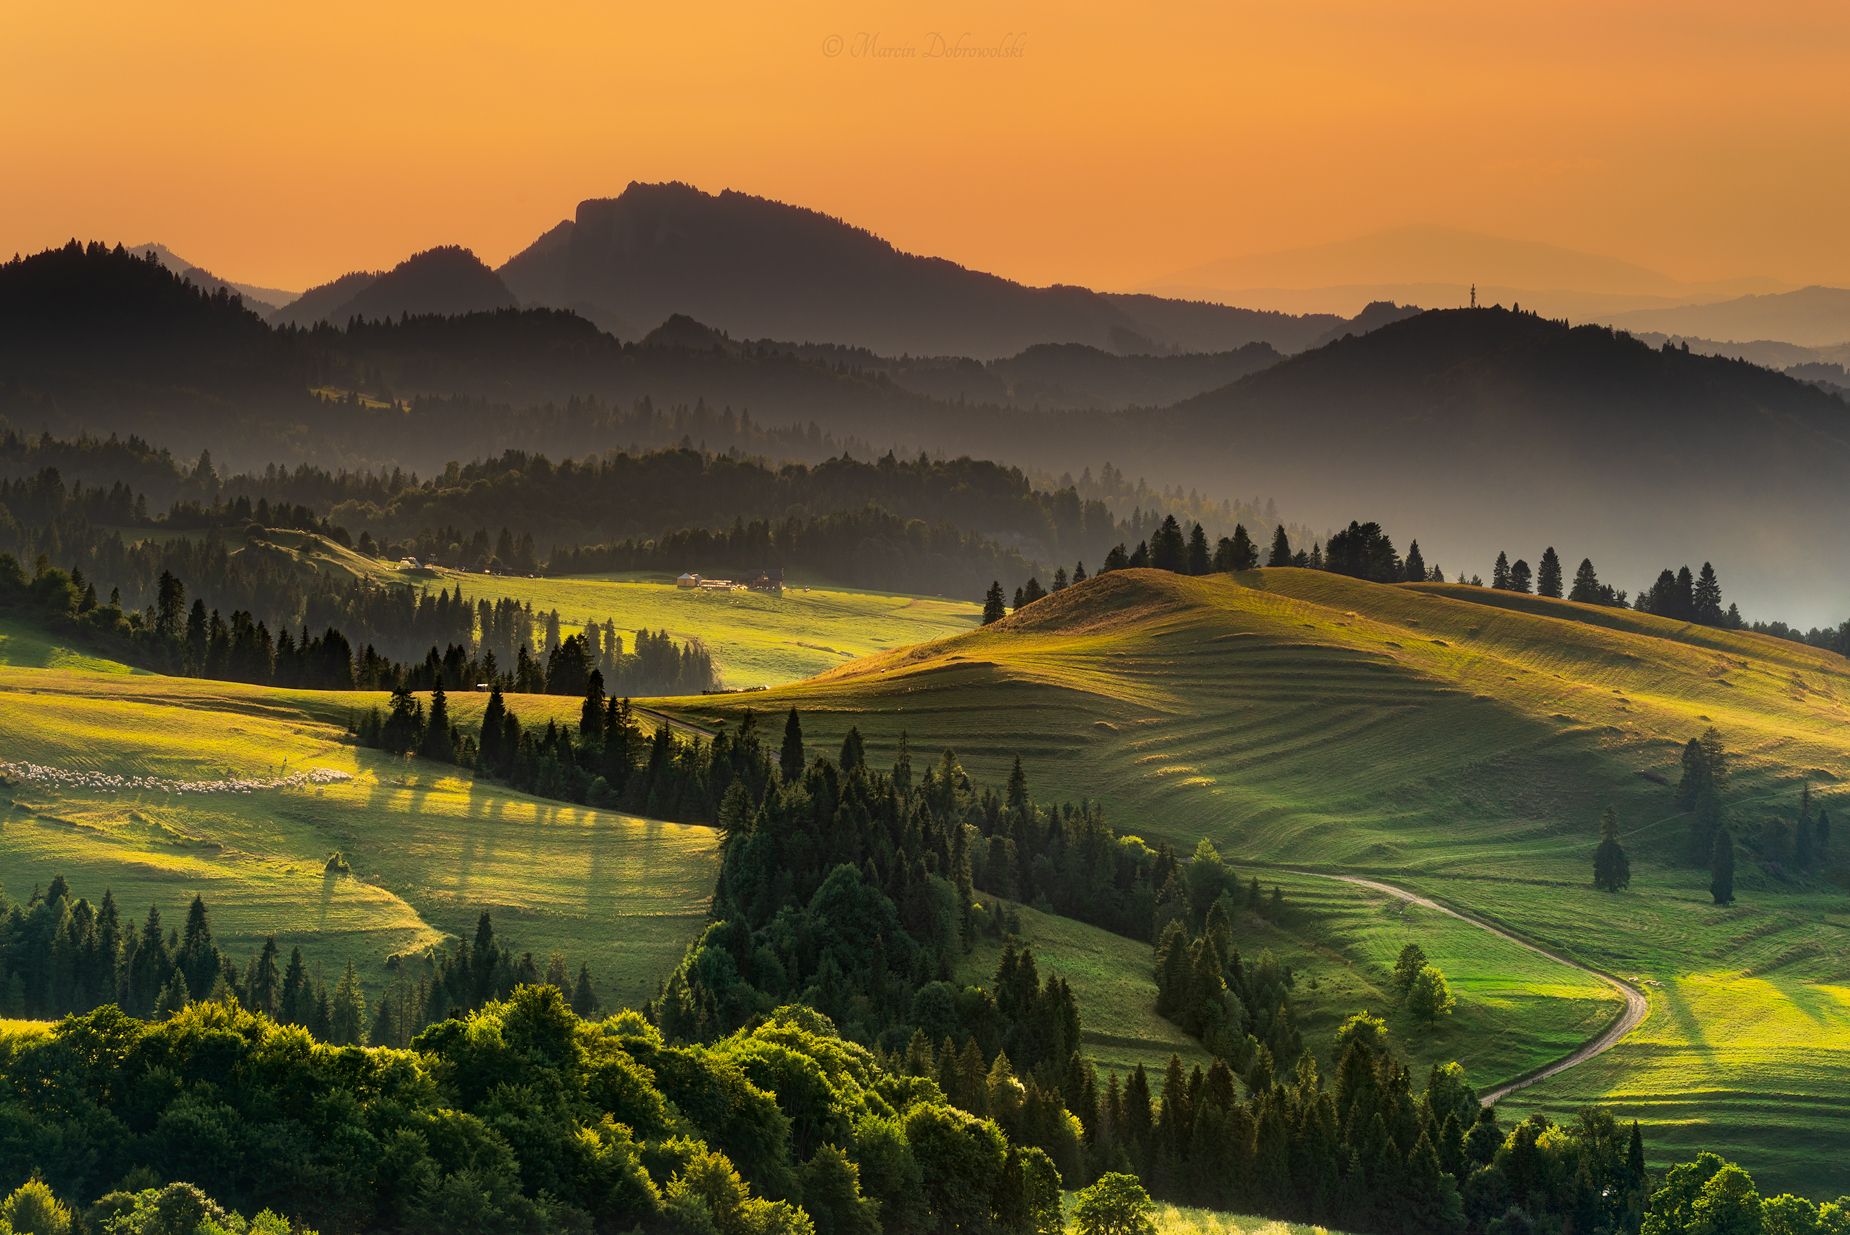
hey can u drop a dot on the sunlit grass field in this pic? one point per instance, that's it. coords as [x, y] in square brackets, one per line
[1181, 1220]
[1115, 984]
[427, 851]
[1461, 743]
[1516, 1010]
[756, 639]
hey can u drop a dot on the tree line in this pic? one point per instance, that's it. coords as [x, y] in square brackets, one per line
[62, 955]
[169, 636]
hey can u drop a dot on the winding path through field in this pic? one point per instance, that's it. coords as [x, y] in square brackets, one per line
[1636, 1005]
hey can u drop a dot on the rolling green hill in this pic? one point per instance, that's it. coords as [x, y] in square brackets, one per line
[428, 850]
[1461, 743]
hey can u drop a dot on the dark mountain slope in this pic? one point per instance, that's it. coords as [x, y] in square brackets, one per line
[85, 327]
[1480, 430]
[262, 299]
[447, 280]
[324, 302]
[756, 268]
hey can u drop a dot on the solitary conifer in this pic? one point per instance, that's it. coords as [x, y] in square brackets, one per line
[995, 607]
[1612, 870]
[1721, 867]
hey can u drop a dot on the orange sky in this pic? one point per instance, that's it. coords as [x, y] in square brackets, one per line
[286, 143]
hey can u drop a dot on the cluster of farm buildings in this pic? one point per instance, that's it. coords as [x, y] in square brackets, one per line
[756, 581]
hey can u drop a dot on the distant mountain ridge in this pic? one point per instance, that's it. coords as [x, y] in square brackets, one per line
[1437, 267]
[1809, 317]
[446, 281]
[1488, 430]
[757, 268]
[262, 299]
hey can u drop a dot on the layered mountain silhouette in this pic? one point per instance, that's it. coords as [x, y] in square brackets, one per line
[1809, 317]
[1485, 430]
[1437, 267]
[445, 281]
[86, 322]
[262, 299]
[1475, 430]
[756, 268]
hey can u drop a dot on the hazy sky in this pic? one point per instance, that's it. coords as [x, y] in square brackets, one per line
[1107, 144]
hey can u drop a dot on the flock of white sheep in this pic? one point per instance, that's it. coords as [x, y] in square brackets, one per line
[111, 782]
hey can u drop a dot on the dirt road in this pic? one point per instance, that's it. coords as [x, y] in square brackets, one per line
[1636, 1005]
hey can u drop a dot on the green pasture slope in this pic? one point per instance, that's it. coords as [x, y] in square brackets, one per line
[428, 849]
[756, 639]
[1461, 743]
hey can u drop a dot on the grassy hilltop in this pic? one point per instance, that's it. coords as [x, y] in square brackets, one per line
[1461, 743]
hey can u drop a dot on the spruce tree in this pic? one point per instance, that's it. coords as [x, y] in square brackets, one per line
[1707, 599]
[403, 730]
[1548, 575]
[995, 607]
[1721, 867]
[436, 742]
[347, 1016]
[1245, 553]
[1281, 548]
[1198, 559]
[584, 999]
[1415, 566]
[1500, 573]
[790, 760]
[591, 714]
[488, 750]
[1612, 870]
[1407, 967]
[1586, 584]
[1168, 548]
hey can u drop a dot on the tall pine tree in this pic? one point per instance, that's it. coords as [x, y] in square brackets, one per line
[1612, 870]
[1548, 575]
[1721, 867]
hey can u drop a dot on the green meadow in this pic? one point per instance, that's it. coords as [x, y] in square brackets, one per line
[1115, 983]
[428, 851]
[1184, 1220]
[1516, 1010]
[1460, 743]
[1451, 741]
[755, 638]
